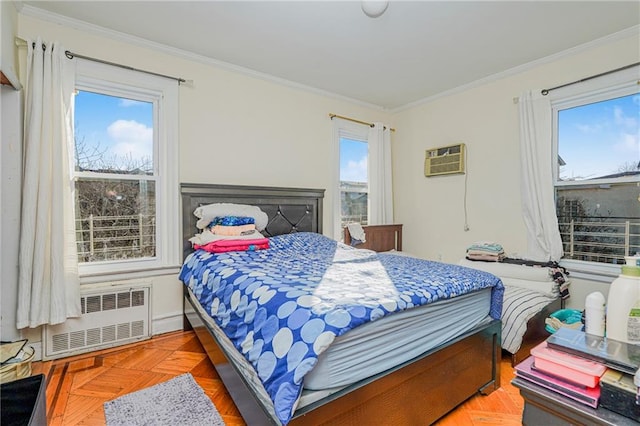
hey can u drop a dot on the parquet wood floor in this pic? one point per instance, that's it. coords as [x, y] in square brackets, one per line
[77, 387]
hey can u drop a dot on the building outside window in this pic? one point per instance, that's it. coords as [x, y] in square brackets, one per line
[597, 140]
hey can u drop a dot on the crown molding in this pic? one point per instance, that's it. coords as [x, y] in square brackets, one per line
[55, 18]
[620, 35]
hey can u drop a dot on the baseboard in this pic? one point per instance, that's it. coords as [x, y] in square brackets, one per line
[166, 323]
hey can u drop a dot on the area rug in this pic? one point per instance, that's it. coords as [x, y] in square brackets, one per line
[179, 401]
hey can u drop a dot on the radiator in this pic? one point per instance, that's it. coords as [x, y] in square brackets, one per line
[111, 316]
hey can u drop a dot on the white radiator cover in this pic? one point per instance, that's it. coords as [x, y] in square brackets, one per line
[111, 316]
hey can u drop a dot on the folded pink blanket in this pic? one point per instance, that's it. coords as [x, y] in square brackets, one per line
[222, 246]
[232, 230]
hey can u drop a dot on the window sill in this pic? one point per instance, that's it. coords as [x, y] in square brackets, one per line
[128, 275]
[592, 271]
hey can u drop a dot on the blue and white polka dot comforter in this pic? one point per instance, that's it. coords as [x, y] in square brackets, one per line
[282, 307]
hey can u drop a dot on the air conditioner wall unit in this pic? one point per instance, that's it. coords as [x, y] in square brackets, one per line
[445, 160]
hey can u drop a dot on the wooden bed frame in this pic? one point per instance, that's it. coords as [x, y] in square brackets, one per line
[419, 391]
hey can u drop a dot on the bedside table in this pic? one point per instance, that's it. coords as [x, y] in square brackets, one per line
[544, 407]
[380, 238]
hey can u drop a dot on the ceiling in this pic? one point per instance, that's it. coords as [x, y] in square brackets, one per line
[414, 51]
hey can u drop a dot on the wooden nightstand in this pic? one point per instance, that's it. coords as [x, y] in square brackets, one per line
[379, 237]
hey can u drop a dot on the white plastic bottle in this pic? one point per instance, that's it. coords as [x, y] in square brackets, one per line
[594, 314]
[623, 304]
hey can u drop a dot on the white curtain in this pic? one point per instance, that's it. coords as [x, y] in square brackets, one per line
[48, 287]
[537, 162]
[380, 179]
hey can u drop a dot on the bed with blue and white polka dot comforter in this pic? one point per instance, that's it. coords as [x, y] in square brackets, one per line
[282, 307]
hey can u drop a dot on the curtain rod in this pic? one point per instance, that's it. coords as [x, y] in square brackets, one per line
[332, 116]
[545, 92]
[71, 55]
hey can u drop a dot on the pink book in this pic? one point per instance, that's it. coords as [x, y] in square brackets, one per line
[566, 366]
[584, 395]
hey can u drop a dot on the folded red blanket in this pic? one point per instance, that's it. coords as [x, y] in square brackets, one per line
[221, 246]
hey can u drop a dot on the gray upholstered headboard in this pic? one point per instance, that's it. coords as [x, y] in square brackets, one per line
[288, 209]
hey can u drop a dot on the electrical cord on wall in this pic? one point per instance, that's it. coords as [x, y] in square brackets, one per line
[466, 175]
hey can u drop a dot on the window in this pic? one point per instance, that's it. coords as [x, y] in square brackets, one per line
[125, 169]
[354, 187]
[352, 177]
[597, 171]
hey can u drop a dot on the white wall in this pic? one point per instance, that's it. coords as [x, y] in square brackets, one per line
[10, 167]
[485, 118]
[234, 129]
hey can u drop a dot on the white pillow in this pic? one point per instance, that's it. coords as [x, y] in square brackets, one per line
[206, 214]
[535, 278]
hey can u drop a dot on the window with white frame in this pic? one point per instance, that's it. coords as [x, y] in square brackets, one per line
[354, 181]
[597, 170]
[352, 205]
[125, 170]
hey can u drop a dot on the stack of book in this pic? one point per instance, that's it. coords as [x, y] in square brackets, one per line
[569, 375]
[589, 369]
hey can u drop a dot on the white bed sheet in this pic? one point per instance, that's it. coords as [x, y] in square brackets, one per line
[377, 346]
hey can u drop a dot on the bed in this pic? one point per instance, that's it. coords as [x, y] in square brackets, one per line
[418, 390]
[527, 303]
[531, 296]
